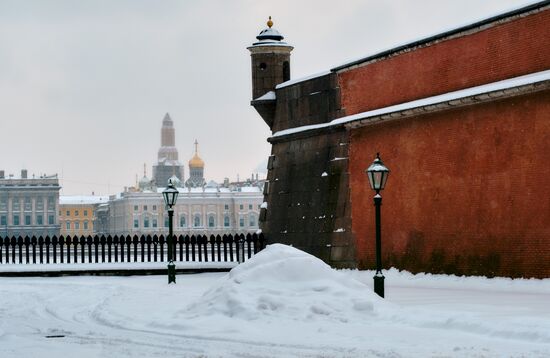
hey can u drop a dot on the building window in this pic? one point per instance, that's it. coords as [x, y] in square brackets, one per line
[3, 204]
[211, 221]
[241, 206]
[28, 204]
[68, 213]
[40, 204]
[226, 221]
[155, 224]
[259, 206]
[51, 203]
[252, 221]
[86, 225]
[15, 205]
[68, 225]
[15, 219]
[77, 225]
[197, 220]
[226, 206]
[85, 212]
[144, 207]
[249, 206]
[135, 208]
[154, 208]
[182, 221]
[166, 223]
[27, 219]
[136, 223]
[146, 222]
[241, 221]
[3, 220]
[51, 220]
[76, 213]
[39, 220]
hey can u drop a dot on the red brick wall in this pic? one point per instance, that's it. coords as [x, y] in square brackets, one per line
[507, 50]
[468, 192]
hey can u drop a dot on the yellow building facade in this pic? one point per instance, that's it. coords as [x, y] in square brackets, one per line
[77, 214]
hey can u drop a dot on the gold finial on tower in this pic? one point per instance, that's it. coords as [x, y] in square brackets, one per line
[269, 22]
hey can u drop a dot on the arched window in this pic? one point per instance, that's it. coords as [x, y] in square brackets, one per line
[226, 221]
[197, 220]
[182, 221]
[252, 220]
[211, 220]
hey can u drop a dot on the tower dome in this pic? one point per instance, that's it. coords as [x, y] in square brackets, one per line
[269, 35]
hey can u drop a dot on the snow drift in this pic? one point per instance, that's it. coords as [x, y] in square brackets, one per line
[285, 282]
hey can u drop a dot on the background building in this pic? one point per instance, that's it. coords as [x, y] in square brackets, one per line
[77, 214]
[28, 206]
[204, 211]
[168, 164]
[461, 120]
[201, 209]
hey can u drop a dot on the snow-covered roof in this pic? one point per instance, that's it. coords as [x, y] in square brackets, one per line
[463, 93]
[302, 79]
[250, 189]
[82, 199]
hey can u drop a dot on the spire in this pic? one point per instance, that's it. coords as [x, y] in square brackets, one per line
[269, 22]
[167, 119]
[144, 170]
[196, 147]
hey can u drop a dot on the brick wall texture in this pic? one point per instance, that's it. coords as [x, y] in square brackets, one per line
[468, 191]
[506, 50]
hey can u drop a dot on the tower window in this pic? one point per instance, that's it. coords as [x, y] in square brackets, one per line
[263, 66]
[286, 71]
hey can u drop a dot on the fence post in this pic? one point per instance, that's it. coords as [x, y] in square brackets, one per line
[241, 250]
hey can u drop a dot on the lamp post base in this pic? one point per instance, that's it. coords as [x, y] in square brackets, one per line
[171, 272]
[379, 284]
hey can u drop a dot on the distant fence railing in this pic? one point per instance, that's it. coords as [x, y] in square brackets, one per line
[144, 248]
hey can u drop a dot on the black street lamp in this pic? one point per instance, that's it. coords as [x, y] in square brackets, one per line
[170, 195]
[378, 175]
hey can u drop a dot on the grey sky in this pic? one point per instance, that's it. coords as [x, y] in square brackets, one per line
[84, 85]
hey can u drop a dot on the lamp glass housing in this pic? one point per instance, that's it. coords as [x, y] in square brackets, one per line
[377, 173]
[170, 194]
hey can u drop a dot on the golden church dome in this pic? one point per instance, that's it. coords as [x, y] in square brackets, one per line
[196, 162]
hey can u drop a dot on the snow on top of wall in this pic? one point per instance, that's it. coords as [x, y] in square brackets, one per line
[427, 37]
[82, 199]
[302, 79]
[463, 93]
[267, 97]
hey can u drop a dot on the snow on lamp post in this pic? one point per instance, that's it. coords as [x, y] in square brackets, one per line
[378, 173]
[170, 195]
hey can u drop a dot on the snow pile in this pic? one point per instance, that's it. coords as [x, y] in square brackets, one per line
[284, 282]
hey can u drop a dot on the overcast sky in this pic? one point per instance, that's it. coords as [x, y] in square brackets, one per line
[84, 85]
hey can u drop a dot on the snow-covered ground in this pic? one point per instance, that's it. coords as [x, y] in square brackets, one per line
[281, 303]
